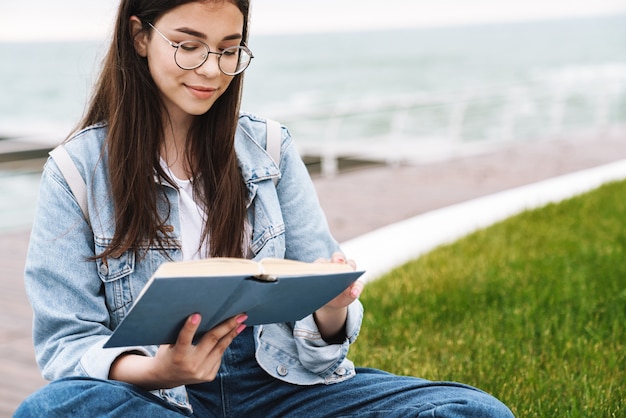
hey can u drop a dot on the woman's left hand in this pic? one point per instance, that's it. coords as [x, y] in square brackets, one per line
[331, 317]
[351, 293]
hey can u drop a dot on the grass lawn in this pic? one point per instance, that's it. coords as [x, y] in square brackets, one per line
[532, 310]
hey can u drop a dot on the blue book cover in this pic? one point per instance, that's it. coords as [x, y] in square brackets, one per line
[269, 291]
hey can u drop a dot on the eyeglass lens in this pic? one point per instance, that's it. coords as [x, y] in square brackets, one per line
[192, 54]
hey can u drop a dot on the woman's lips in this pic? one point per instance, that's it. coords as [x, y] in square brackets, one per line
[201, 92]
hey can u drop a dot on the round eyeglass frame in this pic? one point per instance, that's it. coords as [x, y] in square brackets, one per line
[177, 46]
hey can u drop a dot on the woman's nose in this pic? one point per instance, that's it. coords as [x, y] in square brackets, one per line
[211, 67]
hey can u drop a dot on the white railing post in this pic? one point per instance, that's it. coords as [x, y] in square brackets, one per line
[457, 117]
[328, 154]
[603, 99]
[557, 110]
[397, 131]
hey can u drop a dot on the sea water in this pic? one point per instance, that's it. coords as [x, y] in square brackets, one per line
[305, 79]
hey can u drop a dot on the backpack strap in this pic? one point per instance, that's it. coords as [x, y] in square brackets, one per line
[77, 185]
[79, 189]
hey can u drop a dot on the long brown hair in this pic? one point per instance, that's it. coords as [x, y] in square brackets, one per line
[127, 99]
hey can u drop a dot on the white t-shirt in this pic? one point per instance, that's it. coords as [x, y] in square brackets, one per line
[192, 218]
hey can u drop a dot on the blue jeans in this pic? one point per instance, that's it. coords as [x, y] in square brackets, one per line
[243, 389]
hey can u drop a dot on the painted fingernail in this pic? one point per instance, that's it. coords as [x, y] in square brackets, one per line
[195, 319]
[356, 292]
[241, 319]
[240, 328]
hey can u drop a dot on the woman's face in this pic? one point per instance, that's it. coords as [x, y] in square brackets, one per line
[186, 93]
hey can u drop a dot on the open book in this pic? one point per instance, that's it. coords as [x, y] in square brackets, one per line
[269, 291]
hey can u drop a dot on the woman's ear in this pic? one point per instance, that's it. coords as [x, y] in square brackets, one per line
[140, 36]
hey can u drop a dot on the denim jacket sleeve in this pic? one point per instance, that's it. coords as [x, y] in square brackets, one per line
[295, 352]
[70, 315]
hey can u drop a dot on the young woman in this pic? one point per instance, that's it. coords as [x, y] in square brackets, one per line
[175, 172]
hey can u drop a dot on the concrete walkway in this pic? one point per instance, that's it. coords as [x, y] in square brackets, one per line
[356, 203]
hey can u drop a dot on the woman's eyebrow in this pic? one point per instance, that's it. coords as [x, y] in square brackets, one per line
[201, 35]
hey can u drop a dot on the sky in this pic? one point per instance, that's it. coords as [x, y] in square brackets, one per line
[92, 19]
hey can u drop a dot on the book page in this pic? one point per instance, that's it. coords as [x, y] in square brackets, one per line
[225, 266]
[281, 267]
[218, 266]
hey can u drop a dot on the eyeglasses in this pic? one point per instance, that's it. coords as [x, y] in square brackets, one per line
[190, 55]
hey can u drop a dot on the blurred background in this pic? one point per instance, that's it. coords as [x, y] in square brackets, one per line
[400, 81]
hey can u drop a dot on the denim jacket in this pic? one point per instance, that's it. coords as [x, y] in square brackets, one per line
[77, 302]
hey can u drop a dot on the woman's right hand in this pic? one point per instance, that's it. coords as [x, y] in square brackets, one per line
[182, 363]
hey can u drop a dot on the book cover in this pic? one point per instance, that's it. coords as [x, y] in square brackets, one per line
[269, 291]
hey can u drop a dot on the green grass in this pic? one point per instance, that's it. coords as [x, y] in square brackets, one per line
[532, 310]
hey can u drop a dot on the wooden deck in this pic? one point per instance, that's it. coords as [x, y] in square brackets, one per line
[19, 373]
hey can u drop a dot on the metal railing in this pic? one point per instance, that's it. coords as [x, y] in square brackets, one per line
[425, 126]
